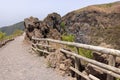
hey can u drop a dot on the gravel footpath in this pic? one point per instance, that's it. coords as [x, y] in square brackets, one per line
[16, 63]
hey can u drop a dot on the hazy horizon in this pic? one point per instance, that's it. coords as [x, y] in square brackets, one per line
[14, 11]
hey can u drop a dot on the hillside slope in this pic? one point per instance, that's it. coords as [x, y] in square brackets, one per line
[10, 29]
[96, 24]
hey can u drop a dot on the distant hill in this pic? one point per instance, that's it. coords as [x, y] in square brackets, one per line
[10, 29]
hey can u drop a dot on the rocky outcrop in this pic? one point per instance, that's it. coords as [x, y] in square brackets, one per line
[95, 24]
[48, 28]
[60, 62]
[53, 20]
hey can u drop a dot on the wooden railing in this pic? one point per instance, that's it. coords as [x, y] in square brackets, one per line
[110, 69]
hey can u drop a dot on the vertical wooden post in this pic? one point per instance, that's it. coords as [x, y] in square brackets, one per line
[46, 48]
[37, 42]
[77, 64]
[34, 41]
[112, 60]
[47, 42]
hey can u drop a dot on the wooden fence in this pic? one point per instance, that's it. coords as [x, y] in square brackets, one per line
[110, 69]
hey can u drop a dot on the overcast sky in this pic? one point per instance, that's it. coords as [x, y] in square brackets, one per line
[12, 11]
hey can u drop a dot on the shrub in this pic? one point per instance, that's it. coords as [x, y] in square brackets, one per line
[85, 53]
[69, 38]
[62, 24]
[15, 33]
[2, 35]
[82, 52]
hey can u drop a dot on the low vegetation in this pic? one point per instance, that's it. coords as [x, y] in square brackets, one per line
[16, 33]
[83, 52]
[2, 35]
[106, 8]
[62, 24]
[69, 38]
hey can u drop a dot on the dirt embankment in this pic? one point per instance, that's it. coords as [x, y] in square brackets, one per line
[2, 43]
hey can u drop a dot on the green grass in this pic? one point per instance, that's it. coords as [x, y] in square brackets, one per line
[82, 52]
[85, 53]
[62, 24]
[69, 38]
[16, 33]
[106, 5]
[2, 35]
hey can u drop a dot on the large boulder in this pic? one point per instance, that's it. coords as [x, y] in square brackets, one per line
[48, 28]
[31, 27]
[53, 20]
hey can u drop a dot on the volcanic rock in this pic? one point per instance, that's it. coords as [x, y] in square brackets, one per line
[48, 28]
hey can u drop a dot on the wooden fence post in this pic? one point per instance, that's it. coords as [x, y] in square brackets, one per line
[112, 60]
[77, 64]
[37, 42]
[47, 42]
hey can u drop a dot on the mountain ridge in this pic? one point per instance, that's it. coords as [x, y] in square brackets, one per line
[95, 24]
[10, 29]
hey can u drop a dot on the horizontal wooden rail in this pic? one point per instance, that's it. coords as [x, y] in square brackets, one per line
[79, 73]
[83, 75]
[34, 49]
[85, 46]
[44, 51]
[105, 71]
[93, 77]
[102, 65]
[44, 45]
[41, 45]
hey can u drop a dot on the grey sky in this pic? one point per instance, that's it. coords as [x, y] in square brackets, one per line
[12, 11]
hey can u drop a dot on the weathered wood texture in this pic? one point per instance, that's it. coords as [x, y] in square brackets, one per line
[41, 45]
[105, 71]
[79, 73]
[109, 69]
[85, 46]
[44, 51]
[77, 62]
[102, 65]
[112, 63]
[93, 77]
